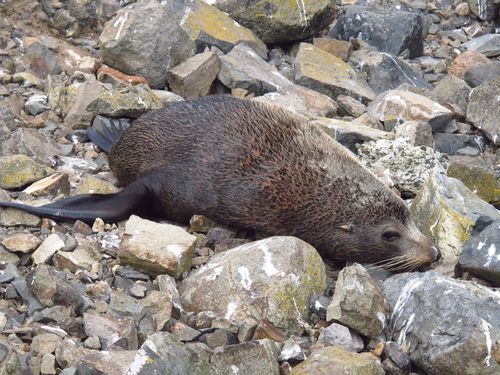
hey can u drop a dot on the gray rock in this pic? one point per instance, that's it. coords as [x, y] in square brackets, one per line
[358, 302]
[270, 279]
[337, 360]
[292, 350]
[401, 165]
[446, 325]
[219, 338]
[6, 257]
[162, 353]
[24, 292]
[488, 45]
[329, 74]
[446, 211]
[45, 343]
[155, 248]
[301, 100]
[396, 355]
[114, 333]
[121, 305]
[452, 89]
[43, 285]
[350, 106]
[339, 335]
[9, 361]
[78, 117]
[483, 110]
[399, 105]
[415, 133]
[194, 77]
[318, 305]
[41, 61]
[110, 363]
[385, 71]
[9, 273]
[451, 143]
[243, 68]
[70, 351]
[477, 75]
[158, 307]
[349, 134]
[36, 104]
[138, 41]
[290, 21]
[481, 254]
[485, 9]
[387, 29]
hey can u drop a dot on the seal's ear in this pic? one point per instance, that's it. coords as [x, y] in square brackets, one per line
[347, 227]
[87, 207]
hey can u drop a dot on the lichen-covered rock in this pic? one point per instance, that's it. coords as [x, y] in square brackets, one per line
[399, 105]
[481, 254]
[445, 325]
[138, 41]
[483, 110]
[129, 101]
[446, 211]
[162, 353]
[401, 165]
[155, 248]
[358, 302]
[387, 29]
[284, 21]
[30, 142]
[208, 26]
[94, 185]
[328, 74]
[338, 360]
[19, 170]
[270, 279]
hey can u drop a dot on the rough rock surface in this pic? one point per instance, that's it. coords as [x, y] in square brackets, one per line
[482, 115]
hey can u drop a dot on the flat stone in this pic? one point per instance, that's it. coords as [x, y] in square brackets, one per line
[446, 211]
[24, 292]
[19, 170]
[194, 77]
[328, 74]
[451, 144]
[122, 305]
[47, 249]
[487, 44]
[114, 333]
[155, 248]
[55, 184]
[483, 110]
[398, 105]
[477, 75]
[21, 242]
[245, 69]
[9, 273]
[339, 48]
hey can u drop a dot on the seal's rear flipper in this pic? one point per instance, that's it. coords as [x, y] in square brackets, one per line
[105, 132]
[134, 199]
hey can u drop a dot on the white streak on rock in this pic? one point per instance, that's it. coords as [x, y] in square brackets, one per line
[231, 308]
[268, 266]
[489, 343]
[246, 281]
[140, 359]
[120, 22]
[404, 297]
[402, 333]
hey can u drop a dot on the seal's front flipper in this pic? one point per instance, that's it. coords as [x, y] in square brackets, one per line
[134, 199]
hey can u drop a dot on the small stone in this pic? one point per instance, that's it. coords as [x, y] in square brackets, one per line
[92, 342]
[88, 64]
[45, 343]
[21, 242]
[121, 305]
[113, 332]
[98, 226]
[219, 338]
[44, 285]
[488, 45]
[416, 133]
[462, 9]
[48, 364]
[393, 351]
[27, 79]
[200, 224]
[8, 274]
[183, 332]
[158, 306]
[292, 351]
[350, 106]
[47, 249]
[337, 334]
[93, 185]
[55, 184]
[318, 305]
[483, 111]
[36, 104]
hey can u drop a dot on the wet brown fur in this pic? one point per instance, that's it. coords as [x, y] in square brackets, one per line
[253, 166]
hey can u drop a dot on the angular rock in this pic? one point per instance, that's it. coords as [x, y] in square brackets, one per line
[349, 134]
[162, 353]
[19, 170]
[78, 117]
[446, 211]
[446, 325]
[69, 352]
[82, 258]
[93, 185]
[465, 61]
[301, 100]
[45, 343]
[269, 279]
[41, 61]
[243, 68]
[385, 71]
[488, 45]
[48, 364]
[339, 48]
[400, 165]
[194, 77]
[486, 10]
[477, 75]
[121, 305]
[36, 104]
[21, 242]
[483, 110]
[24, 292]
[415, 133]
[452, 89]
[452, 143]
[481, 254]
[113, 332]
[207, 26]
[55, 184]
[44, 285]
[350, 106]
[398, 105]
[479, 175]
[248, 358]
[358, 302]
[109, 363]
[138, 41]
[155, 248]
[129, 101]
[286, 21]
[328, 74]
[9, 273]
[337, 360]
[389, 30]
[47, 249]
[158, 306]
[339, 335]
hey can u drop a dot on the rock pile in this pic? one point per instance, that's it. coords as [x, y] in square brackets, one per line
[411, 87]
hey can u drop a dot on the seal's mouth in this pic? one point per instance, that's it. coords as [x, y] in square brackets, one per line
[409, 263]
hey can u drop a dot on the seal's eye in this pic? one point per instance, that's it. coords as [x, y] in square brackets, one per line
[390, 235]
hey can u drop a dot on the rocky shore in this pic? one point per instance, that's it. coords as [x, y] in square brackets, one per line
[411, 87]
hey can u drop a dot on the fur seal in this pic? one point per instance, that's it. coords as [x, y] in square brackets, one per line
[253, 166]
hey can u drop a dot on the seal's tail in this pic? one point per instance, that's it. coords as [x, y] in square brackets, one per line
[105, 132]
